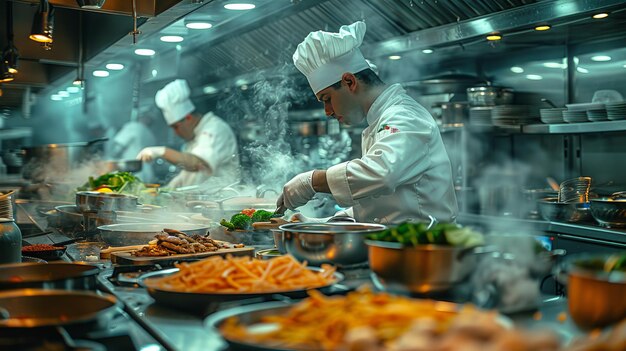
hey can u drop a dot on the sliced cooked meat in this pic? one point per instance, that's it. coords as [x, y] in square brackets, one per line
[178, 248]
[172, 231]
[172, 239]
[185, 237]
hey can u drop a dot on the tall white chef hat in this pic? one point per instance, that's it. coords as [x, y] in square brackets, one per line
[174, 101]
[324, 57]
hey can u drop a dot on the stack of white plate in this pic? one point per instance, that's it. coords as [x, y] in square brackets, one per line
[597, 115]
[616, 110]
[585, 106]
[577, 116]
[509, 115]
[552, 115]
[480, 115]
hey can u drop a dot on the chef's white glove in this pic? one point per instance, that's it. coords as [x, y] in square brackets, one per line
[150, 153]
[298, 191]
[299, 217]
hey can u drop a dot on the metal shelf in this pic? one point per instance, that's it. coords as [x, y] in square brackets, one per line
[572, 128]
[15, 133]
[587, 230]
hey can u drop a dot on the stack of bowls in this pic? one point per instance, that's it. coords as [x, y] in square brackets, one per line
[616, 110]
[570, 116]
[575, 190]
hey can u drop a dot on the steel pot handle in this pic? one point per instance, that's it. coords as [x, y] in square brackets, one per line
[336, 219]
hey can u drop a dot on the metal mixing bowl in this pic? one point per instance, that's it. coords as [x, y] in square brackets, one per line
[420, 269]
[341, 244]
[609, 212]
[554, 211]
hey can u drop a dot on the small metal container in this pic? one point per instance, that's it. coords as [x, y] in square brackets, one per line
[489, 96]
[421, 269]
[94, 201]
[340, 244]
[609, 212]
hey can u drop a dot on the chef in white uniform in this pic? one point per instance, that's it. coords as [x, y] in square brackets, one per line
[210, 156]
[131, 139]
[404, 173]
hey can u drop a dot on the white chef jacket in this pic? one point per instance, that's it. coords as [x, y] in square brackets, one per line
[404, 173]
[132, 138]
[214, 142]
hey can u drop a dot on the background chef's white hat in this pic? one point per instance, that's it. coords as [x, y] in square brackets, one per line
[174, 101]
[324, 57]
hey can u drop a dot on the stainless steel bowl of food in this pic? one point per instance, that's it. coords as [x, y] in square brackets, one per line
[336, 243]
[609, 212]
[554, 211]
[96, 201]
[419, 269]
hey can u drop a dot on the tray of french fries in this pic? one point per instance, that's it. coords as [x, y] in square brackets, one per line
[206, 283]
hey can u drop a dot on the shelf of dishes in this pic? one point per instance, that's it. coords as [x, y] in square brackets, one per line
[561, 128]
[588, 230]
[15, 133]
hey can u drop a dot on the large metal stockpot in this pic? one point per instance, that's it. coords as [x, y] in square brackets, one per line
[489, 95]
[335, 243]
[58, 275]
[90, 201]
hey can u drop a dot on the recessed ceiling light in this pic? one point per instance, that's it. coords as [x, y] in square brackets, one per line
[395, 57]
[73, 90]
[582, 70]
[534, 77]
[239, 7]
[554, 65]
[198, 25]
[600, 15]
[63, 93]
[494, 37]
[172, 38]
[115, 66]
[543, 27]
[624, 66]
[600, 58]
[100, 73]
[516, 69]
[427, 51]
[209, 90]
[145, 52]
[55, 97]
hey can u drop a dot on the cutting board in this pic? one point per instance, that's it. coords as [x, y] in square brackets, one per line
[126, 257]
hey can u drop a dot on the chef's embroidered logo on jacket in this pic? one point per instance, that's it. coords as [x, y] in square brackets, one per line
[389, 128]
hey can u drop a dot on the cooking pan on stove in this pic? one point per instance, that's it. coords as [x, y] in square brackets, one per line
[54, 275]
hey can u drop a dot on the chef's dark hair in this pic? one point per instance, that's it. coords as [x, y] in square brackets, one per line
[367, 76]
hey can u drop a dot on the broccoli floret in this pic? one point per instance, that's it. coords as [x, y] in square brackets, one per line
[241, 221]
[227, 224]
[262, 216]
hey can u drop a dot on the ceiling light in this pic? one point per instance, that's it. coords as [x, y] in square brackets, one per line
[542, 27]
[43, 23]
[516, 69]
[56, 97]
[239, 7]
[198, 25]
[90, 4]
[601, 58]
[115, 66]
[5, 75]
[427, 51]
[554, 65]
[624, 66]
[63, 93]
[172, 38]
[534, 77]
[395, 57]
[145, 52]
[100, 73]
[79, 82]
[209, 90]
[494, 37]
[600, 15]
[582, 70]
[72, 90]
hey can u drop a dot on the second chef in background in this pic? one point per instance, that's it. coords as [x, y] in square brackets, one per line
[404, 173]
[210, 156]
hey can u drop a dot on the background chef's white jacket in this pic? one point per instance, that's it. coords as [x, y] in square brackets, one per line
[215, 143]
[130, 140]
[404, 173]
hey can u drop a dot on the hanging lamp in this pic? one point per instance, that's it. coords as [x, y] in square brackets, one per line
[43, 23]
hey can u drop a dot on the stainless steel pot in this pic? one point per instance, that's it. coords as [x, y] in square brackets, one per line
[56, 159]
[489, 95]
[335, 243]
[31, 308]
[453, 113]
[88, 201]
[552, 210]
[141, 233]
[448, 83]
[595, 298]
[57, 275]
[69, 216]
[421, 269]
[609, 212]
